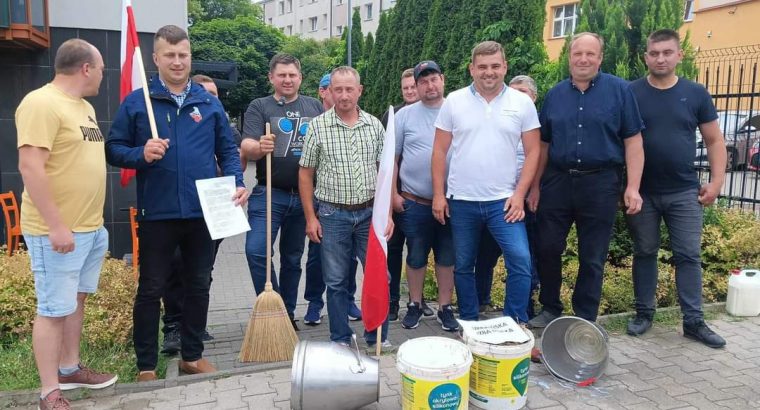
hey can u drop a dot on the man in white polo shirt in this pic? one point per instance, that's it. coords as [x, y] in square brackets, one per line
[483, 124]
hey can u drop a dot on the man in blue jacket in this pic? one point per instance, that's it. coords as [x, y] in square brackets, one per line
[194, 136]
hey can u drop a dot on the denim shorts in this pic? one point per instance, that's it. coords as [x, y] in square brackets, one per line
[424, 233]
[59, 277]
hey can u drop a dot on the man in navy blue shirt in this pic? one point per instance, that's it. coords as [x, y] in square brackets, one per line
[590, 129]
[672, 109]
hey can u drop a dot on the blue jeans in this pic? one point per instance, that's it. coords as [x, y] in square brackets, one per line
[288, 219]
[488, 256]
[315, 284]
[682, 214]
[468, 219]
[344, 238]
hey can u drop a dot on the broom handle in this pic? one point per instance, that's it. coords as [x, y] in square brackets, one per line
[269, 214]
[379, 343]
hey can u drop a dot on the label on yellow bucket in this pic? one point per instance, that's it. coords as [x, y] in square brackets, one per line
[418, 394]
[499, 378]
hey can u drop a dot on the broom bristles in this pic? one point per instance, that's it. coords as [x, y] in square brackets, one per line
[270, 336]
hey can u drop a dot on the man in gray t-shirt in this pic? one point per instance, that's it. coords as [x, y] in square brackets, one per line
[415, 133]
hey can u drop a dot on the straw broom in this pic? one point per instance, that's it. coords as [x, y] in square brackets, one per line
[270, 336]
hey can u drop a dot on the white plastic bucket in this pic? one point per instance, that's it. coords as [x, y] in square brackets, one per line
[435, 374]
[499, 374]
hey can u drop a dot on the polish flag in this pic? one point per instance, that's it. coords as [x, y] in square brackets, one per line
[375, 287]
[131, 77]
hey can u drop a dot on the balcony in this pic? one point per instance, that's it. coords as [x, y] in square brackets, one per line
[24, 24]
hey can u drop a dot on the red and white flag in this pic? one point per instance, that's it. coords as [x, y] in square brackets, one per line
[375, 287]
[131, 77]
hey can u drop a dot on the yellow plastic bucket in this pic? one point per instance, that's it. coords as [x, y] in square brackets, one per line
[435, 374]
[499, 374]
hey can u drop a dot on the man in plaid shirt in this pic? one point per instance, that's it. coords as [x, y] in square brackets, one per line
[342, 148]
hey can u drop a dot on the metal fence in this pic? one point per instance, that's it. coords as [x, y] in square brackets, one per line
[731, 76]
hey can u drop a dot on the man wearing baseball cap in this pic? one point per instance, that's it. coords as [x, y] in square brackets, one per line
[415, 132]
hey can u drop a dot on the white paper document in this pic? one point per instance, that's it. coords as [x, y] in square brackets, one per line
[494, 331]
[222, 217]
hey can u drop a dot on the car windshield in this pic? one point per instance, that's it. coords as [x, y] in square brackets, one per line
[729, 122]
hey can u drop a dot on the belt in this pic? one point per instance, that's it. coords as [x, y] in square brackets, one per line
[417, 199]
[353, 207]
[288, 190]
[579, 172]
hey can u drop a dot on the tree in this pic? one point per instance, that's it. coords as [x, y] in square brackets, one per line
[361, 65]
[206, 10]
[625, 25]
[246, 41]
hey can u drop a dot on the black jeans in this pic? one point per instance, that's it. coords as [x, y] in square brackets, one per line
[591, 202]
[174, 294]
[395, 255]
[157, 240]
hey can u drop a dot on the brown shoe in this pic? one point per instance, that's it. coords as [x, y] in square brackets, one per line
[146, 376]
[86, 377]
[201, 366]
[54, 400]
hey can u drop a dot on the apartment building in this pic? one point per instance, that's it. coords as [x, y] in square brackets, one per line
[713, 23]
[322, 19]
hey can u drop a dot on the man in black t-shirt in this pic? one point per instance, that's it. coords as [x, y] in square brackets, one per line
[672, 108]
[288, 114]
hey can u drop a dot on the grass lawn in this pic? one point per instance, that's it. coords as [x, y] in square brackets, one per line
[19, 372]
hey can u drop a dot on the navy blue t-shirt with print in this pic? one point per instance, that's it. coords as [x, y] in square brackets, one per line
[671, 118]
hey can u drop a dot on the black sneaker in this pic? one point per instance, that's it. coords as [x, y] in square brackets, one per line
[172, 342]
[412, 318]
[639, 325]
[542, 320]
[700, 332]
[206, 337]
[426, 311]
[393, 312]
[446, 319]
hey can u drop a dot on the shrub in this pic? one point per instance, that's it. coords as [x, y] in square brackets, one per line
[108, 313]
[730, 240]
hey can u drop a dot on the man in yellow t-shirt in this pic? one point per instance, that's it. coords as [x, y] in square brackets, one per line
[62, 163]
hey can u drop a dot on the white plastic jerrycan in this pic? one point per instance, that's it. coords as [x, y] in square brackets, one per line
[744, 293]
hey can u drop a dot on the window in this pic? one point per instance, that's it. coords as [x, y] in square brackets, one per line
[312, 24]
[282, 7]
[324, 21]
[340, 2]
[300, 26]
[565, 18]
[688, 11]
[289, 30]
[339, 29]
[290, 6]
[269, 20]
[368, 10]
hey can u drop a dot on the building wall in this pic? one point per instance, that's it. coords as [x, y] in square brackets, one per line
[22, 71]
[721, 24]
[331, 16]
[716, 24]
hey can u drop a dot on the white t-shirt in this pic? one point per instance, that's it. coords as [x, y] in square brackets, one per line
[485, 136]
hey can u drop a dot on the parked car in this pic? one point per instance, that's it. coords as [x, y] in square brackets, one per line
[754, 157]
[742, 132]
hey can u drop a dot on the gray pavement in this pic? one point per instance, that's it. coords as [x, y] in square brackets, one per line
[661, 370]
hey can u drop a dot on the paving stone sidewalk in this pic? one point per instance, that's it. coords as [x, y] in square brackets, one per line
[662, 370]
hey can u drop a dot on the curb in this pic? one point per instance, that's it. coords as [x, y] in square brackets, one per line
[173, 378]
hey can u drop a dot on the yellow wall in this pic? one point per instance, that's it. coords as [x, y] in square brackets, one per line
[731, 25]
[734, 23]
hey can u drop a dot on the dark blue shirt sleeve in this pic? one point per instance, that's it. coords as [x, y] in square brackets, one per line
[631, 123]
[546, 126]
[121, 148]
[706, 111]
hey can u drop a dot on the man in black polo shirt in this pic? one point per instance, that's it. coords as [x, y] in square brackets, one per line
[672, 109]
[590, 129]
[288, 114]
